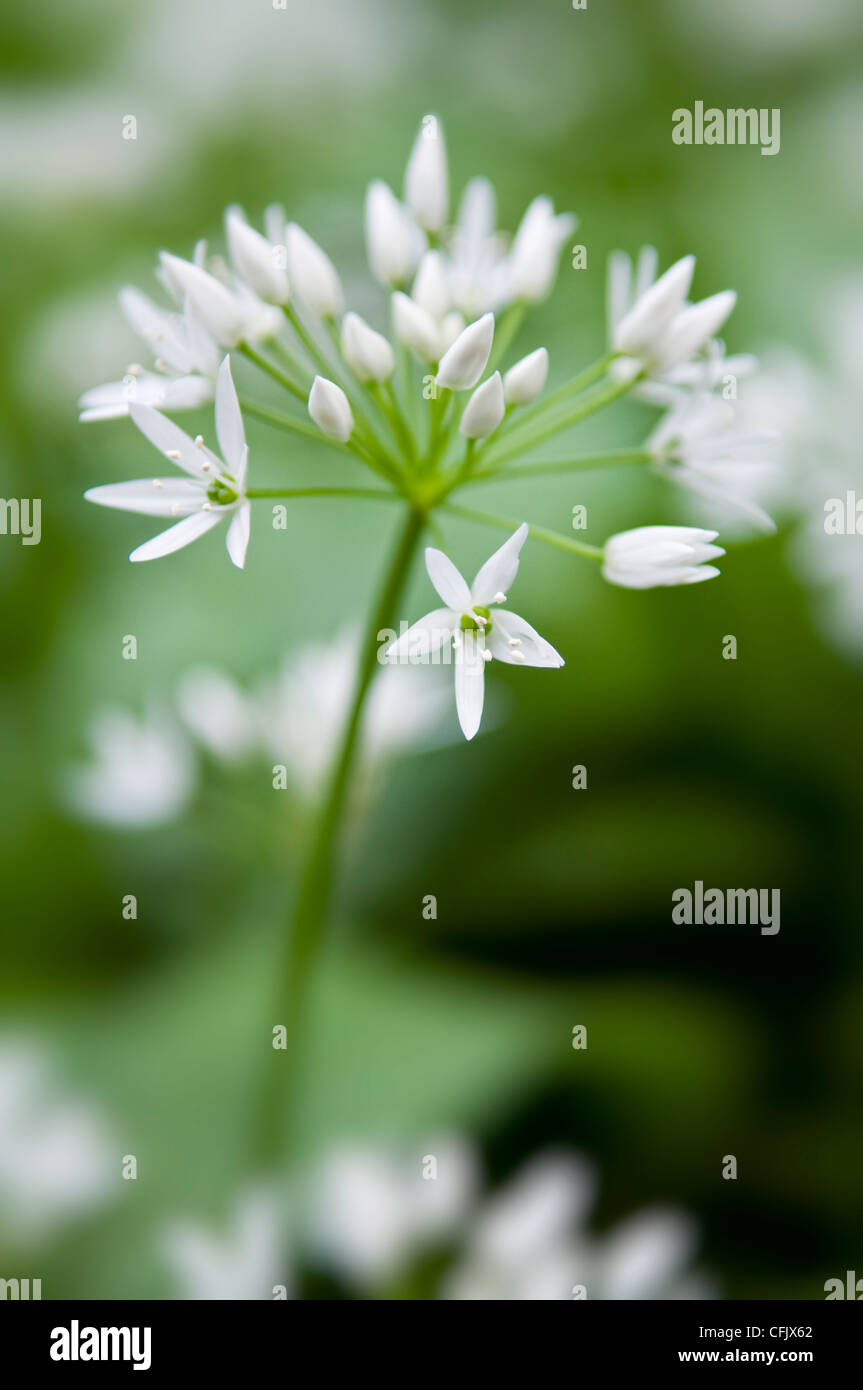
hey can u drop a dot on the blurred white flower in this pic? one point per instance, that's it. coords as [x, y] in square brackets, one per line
[57, 1161]
[246, 1263]
[143, 772]
[220, 715]
[302, 711]
[530, 1242]
[374, 1208]
[651, 323]
[702, 445]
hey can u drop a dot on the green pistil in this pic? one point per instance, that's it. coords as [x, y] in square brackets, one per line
[468, 623]
[221, 494]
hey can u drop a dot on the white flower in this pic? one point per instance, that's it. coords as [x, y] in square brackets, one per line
[256, 260]
[485, 409]
[476, 626]
[416, 328]
[524, 381]
[57, 1160]
[479, 267]
[312, 274]
[431, 285]
[218, 713]
[464, 362]
[373, 1208]
[143, 772]
[302, 711]
[330, 409]
[394, 243]
[212, 302]
[186, 359]
[247, 1264]
[529, 1242]
[651, 322]
[426, 179]
[700, 445]
[653, 557]
[366, 352]
[213, 490]
[535, 250]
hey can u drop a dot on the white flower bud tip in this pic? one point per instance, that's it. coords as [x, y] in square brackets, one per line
[312, 273]
[463, 364]
[523, 382]
[653, 311]
[255, 259]
[431, 286]
[330, 410]
[394, 243]
[366, 352]
[415, 327]
[215, 306]
[426, 178]
[485, 409]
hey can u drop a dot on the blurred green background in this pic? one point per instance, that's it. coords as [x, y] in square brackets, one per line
[554, 904]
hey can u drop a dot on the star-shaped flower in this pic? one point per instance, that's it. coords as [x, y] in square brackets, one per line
[478, 628]
[213, 490]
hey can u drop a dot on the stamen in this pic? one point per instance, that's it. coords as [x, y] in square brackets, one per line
[515, 641]
[199, 441]
[519, 657]
[174, 508]
[205, 465]
[486, 654]
[174, 454]
[134, 369]
[206, 507]
[157, 482]
[499, 597]
[159, 364]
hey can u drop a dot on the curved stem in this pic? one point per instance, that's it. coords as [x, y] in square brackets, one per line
[273, 371]
[509, 523]
[373, 492]
[578, 411]
[619, 458]
[278, 1095]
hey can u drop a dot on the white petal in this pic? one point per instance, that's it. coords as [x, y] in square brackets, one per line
[426, 178]
[216, 307]
[237, 539]
[393, 240]
[229, 421]
[330, 409]
[415, 327]
[691, 328]
[499, 570]
[427, 635]
[469, 683]
[651, 314]
[171, 441]
[176, 537]
[449, 583]
[524, 381]
[485, 410]
[255, 259]
[431, 286]
[150, 496]
[532, 650]
[463, 364]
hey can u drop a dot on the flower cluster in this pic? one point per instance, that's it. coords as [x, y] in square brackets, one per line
[431, 408]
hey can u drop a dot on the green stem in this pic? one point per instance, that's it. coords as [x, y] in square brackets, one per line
[382, 467]
[277, 1101]
[374, 492]
[504, 333]
[597, 400]
[614, 458]
[509, 523]
[273, 371]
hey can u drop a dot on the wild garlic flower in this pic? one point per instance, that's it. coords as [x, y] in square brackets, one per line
[652, 325]
[653, 557]
[186, 362]
[700, 445]
[439, 403]
[213, 490]
[142, 772]
[475, 625]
